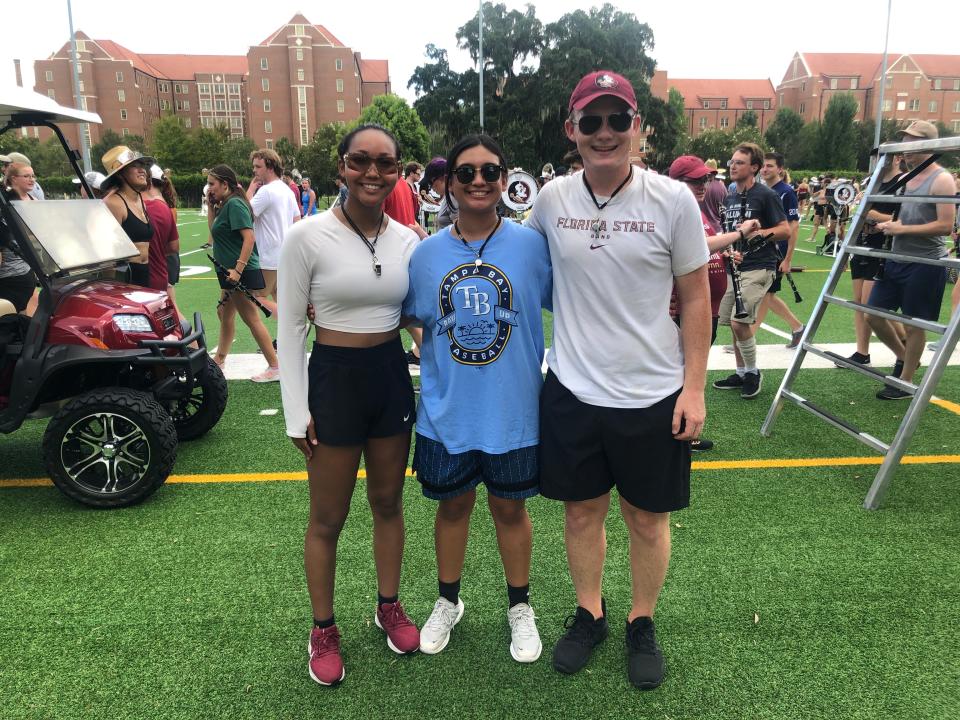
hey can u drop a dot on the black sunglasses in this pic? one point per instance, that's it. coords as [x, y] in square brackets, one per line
[618, 122]
[361, 162]
[490, 172]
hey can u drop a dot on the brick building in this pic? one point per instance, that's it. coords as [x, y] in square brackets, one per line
[718, 104]
[918, 87]
[300, 77]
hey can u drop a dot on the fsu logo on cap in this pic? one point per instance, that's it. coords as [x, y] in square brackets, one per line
[605, 81]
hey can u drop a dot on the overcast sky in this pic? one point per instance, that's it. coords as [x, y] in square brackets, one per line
[693, 38]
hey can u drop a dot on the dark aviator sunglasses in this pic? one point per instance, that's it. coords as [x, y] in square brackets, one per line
[361, 162]
[490, 172]
[618, 122]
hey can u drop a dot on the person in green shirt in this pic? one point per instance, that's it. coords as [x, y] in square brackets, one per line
[230, 220]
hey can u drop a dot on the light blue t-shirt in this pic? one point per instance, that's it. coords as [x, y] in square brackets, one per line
[482, 348]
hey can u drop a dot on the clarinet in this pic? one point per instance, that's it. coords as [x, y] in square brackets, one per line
[740, 309]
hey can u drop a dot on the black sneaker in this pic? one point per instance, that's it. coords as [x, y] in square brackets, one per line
[795, 337]
[752, 382]
[858, 358]
[583, 634]
[412, 359]
[889, 392]
[733, 382]
[701, 445]
[645, 666]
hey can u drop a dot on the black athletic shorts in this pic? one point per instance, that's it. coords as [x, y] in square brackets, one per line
[252, 279]
[843, 215]
[360, 393]
[18, 289]
[140, 274]
[587, 450]
[864, 268]
[173, 269]
[818, 210]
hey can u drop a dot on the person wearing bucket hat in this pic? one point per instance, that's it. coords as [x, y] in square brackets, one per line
[127, 178]
[623, 382]
[914, 288]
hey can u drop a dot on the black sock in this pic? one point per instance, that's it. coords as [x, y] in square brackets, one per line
[450, 591]
[323, 623]
[517, 595]
[382, 600]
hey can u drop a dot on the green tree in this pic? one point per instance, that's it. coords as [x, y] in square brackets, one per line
[838, 133]
[236, 154]
[783, 133]
[287, 152]
[208, 148]
[317, 159]
[173, 146]
[509, 38]
[807, 151]
[748, 119]
[393, 113]
[109, 139]
[713, 143]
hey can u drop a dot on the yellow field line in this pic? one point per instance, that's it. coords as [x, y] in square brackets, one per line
[945, 404]
[758, 464]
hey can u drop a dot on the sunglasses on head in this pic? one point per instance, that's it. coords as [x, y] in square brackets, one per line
[361, 162]
[490, 172]
[618, 122]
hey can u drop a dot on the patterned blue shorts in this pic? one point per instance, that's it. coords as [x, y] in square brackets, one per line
[514, 475]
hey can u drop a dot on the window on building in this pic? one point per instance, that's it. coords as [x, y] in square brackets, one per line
[187, 123]
[723, 104]
[164, 104]
[236, 123]
[300, 74]
[52, 94]
[123, 114]
[299, 54]
[937, 84]
[204, 88]
[888, 82]
[183, 105]
[302, 111]
[724, 123]
[163, 87]
[266, 106]
[749, 104]
[781, 98]
[887, 105]
[263, 64]
[706, 104]
[802, 108]
[915, 104]
[901, 104]
[177, 89]
[265, 84]
[269, 143]
[219, 89]
[49, 75]
[81, 46]
[854, 83]
[79, 68]
[121, 96]
[235, 106]
[833, 83]
[206, 105]
[299, 30]
[119, 76]
[206, 122]
[233, 88]
[956, 107]
[803, 86]
[916, 82]
[932, 106]
[956, 126]
[703, 123]
[220, 105]
[338, 64]
[268, 126]
[766, 104]
[125, 131]
[956, 84]
[339, 106]
[80, 85]
[339, 85]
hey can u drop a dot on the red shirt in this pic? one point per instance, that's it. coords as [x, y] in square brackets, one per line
[164, 233]
[399, 204]
[716, 276]
[295, 190]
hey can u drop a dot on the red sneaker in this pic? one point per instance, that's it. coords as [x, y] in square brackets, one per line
[326, 665]
[402, 635]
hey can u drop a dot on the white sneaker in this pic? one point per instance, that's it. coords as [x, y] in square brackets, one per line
[271, 374]
[435, 633]
[525, 643]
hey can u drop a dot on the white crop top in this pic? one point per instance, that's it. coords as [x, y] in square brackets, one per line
[323, 262]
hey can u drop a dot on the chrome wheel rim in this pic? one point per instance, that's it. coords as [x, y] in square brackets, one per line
[105, 453]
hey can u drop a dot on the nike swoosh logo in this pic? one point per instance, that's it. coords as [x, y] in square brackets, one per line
[406, 417]
[594, 247]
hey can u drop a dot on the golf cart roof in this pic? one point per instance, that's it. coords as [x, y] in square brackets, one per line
[17, 103]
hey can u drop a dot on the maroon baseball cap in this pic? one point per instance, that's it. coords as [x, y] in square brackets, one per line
[599, 83]
[689, 167]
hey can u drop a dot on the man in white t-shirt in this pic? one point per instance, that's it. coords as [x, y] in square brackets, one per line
[625, 391]
[274, 210]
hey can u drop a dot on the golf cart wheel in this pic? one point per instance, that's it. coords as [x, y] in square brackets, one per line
[199, 411]
[110, 447]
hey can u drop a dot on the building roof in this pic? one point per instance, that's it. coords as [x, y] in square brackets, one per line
[865, 66]
[299, 19]
[938, 65]
[184, 67]
[376, 71]
[735, 92]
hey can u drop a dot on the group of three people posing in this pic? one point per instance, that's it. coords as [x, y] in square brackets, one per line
[623, 397]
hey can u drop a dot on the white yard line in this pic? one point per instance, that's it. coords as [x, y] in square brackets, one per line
[775, 331]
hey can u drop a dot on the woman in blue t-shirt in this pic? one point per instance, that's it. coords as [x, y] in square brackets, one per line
[308, 199]
[477, 287]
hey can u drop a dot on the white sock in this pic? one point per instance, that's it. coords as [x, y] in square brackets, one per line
[741, 371]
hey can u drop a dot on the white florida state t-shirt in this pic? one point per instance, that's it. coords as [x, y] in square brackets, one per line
[614, 344]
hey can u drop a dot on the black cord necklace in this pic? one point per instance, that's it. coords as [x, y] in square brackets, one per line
[595, 225]
[478, 262]
[371, 246]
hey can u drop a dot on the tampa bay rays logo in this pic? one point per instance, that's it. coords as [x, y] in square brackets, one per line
[475, 313]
